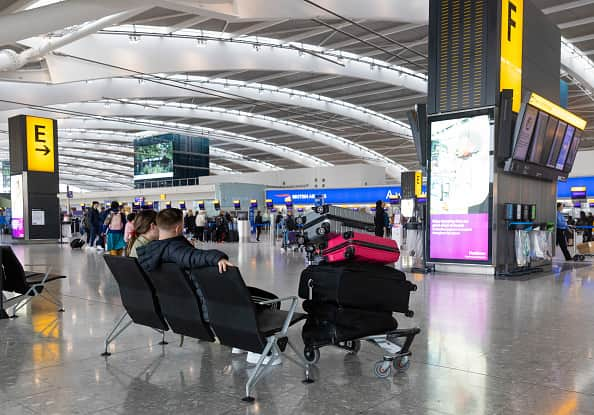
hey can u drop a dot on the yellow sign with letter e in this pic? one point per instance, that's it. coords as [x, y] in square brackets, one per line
[40, 144]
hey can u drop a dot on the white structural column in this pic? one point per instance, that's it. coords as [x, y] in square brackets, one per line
[10, 60]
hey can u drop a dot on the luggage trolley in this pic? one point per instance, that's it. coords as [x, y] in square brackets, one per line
[579, 230]
[335, 319]
[395, 345]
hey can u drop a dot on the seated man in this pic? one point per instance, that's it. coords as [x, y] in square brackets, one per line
[173, 247]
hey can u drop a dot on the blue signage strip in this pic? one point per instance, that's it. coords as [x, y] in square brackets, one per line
[564, 188]
[369, 195]
[346, 196]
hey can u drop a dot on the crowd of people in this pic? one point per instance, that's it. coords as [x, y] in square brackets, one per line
[111, 229]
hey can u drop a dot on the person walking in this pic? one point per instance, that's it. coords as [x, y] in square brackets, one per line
[115, 223]
[95, 225]
[387, 223]
[220, 227]
[129, 228]
[561, 230]
[258, 222]
[379, 220]
[190, 223]
[200, 225]
[84, 225]
[278, 223]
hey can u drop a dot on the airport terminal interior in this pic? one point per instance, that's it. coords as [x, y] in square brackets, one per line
[296, 207]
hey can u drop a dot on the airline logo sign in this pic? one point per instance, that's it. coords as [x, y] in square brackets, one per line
[41, 153]
[512, 28]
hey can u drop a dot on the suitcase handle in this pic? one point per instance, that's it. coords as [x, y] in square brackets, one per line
[310, 284]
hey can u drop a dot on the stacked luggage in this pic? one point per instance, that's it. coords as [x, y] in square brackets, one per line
[351, 294]
[327, 221]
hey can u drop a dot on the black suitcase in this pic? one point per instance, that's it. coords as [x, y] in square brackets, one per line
[77, 243]
[330, 324]
[357, 285]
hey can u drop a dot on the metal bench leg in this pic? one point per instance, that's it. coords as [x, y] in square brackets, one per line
[258, 370]
[304, 363]
[163, 342]
[162, 333]
[111, 336]
[3, 313]
[20, 305]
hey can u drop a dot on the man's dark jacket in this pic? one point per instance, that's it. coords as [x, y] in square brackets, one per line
[179, 251]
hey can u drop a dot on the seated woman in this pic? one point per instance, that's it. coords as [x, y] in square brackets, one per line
[145, 225]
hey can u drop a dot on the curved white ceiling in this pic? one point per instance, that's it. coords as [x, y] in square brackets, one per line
[138, 124]
[128, 88]
[224, 54]
[150, 109]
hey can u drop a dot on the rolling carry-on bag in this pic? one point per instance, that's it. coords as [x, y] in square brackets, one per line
[329, 221]
[357, 285]
[361, 247]
[77, 243]
[329, 324]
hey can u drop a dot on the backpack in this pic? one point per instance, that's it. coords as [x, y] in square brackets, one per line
[86, 221]
[116, 222]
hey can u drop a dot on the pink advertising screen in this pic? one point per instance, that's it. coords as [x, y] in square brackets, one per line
[459, 189]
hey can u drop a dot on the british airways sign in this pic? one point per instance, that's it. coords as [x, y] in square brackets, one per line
[348, 196]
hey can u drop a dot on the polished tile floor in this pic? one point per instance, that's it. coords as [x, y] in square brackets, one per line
[487, 347]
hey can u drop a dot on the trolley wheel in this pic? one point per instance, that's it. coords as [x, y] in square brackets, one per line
[582, 257]
[382, 369]
[311, 355]
[353, 346]
[576, 257]
[401, 364]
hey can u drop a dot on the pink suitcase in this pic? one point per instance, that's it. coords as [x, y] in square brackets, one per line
[361, 247]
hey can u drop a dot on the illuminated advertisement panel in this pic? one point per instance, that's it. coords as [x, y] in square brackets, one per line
[459, 202]
[18, 211]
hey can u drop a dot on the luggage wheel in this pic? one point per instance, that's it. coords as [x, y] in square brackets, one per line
[382, 369]
[401, 363]
[311, 355]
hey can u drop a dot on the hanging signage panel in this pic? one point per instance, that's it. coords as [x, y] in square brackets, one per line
[353, 195]
[40, 144]
[512, 28]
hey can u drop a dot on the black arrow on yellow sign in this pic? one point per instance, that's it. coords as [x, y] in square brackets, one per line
[45, 150]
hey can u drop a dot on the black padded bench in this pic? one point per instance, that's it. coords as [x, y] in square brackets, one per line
[138, 298]
[240, 322]
[26, 284]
